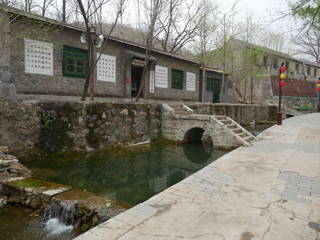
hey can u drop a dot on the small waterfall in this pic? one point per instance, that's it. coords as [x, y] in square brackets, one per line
[59, 217]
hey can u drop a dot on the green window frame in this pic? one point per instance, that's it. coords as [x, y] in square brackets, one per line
[176, 79]
[209, 84]
[74, 62]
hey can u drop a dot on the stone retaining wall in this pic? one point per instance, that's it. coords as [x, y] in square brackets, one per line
[77, 126]
[83, 127]
[241, 113]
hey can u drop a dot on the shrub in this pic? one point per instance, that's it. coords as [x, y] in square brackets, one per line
[46, 120]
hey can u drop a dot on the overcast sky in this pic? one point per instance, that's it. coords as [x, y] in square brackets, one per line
[267, 11]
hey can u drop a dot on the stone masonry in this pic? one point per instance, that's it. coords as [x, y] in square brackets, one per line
[83, 127]
[71, 86]
[176, 127]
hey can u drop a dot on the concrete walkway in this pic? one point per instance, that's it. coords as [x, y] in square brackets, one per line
[270, 190]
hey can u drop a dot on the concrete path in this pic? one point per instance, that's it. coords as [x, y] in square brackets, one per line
[269, 191]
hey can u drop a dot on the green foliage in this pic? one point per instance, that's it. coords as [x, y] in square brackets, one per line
[46, 119]
[159, 138]
[15, 25]
[307, 11]
[27, 183]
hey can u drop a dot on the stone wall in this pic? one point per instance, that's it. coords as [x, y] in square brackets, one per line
[262, 91]
[86, 127]
[77, 126]
[58, 84]
[241, 113]
[4, 46]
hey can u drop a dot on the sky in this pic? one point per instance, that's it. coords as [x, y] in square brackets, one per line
[269, 10]
[266, 12]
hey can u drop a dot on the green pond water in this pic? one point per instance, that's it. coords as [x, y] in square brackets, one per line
[128, 177]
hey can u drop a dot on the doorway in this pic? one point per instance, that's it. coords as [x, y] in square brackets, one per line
[216, 92]
[136, 81]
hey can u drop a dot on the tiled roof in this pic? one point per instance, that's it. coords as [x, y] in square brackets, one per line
[66, 25]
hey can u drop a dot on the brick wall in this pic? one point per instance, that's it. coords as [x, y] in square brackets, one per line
[294, 88]
[59, 85]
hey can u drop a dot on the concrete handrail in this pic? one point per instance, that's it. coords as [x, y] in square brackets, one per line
[167, 108]
[243, 129]
[187, 108]
[216, 120]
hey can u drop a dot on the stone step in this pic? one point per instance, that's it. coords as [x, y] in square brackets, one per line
[248, 139]
[177, 108]
[242, 135]
[237, 130]
[219, 117]
[183, 113]
[231, 126]
[225, 121]
[3, 168]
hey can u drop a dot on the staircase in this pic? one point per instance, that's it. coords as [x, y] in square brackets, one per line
[181, 109]
[181, 118]
[240, 132]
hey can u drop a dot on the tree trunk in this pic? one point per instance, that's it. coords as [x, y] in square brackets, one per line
[203, 82]
[63, 10]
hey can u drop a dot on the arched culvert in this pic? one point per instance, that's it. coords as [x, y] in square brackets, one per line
[196, 153]
[193, 135]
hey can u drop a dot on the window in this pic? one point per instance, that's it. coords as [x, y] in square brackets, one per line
[297, 68]
[308, 70]
[74, 62]
[275, 63]
[315, 72]
[177, 79]
[209, 84]
[265, 60]
[287, 66]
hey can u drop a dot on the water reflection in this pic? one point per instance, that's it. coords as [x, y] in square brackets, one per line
[130, 177]
[196, 153]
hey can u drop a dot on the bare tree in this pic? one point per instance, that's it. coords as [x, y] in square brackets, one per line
[179, 24]
[228, 29]
[153, 11]
[203, 44]
[308, 44]
[45, 5]
[89, 18]
[11, 18]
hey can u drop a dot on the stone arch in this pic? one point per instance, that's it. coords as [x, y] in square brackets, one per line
[193, 135]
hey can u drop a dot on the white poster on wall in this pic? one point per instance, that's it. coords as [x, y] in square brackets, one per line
[161, 77]
[106, 68]
[191, 81]
[38, 57]
[151, 81]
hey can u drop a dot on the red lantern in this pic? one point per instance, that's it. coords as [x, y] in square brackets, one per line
[318, 89]
[318, 81]
[282, 69]
[282, 83]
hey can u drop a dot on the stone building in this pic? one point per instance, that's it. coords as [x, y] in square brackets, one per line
[263, 72]
[268, 61]
[213, 84]
[54, 64]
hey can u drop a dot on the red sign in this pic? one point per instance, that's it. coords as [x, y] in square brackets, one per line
[151, 81]
[138, 63]
[127, 80]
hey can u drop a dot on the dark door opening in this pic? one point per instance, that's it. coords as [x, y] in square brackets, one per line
[136, 81]
[216, 92]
